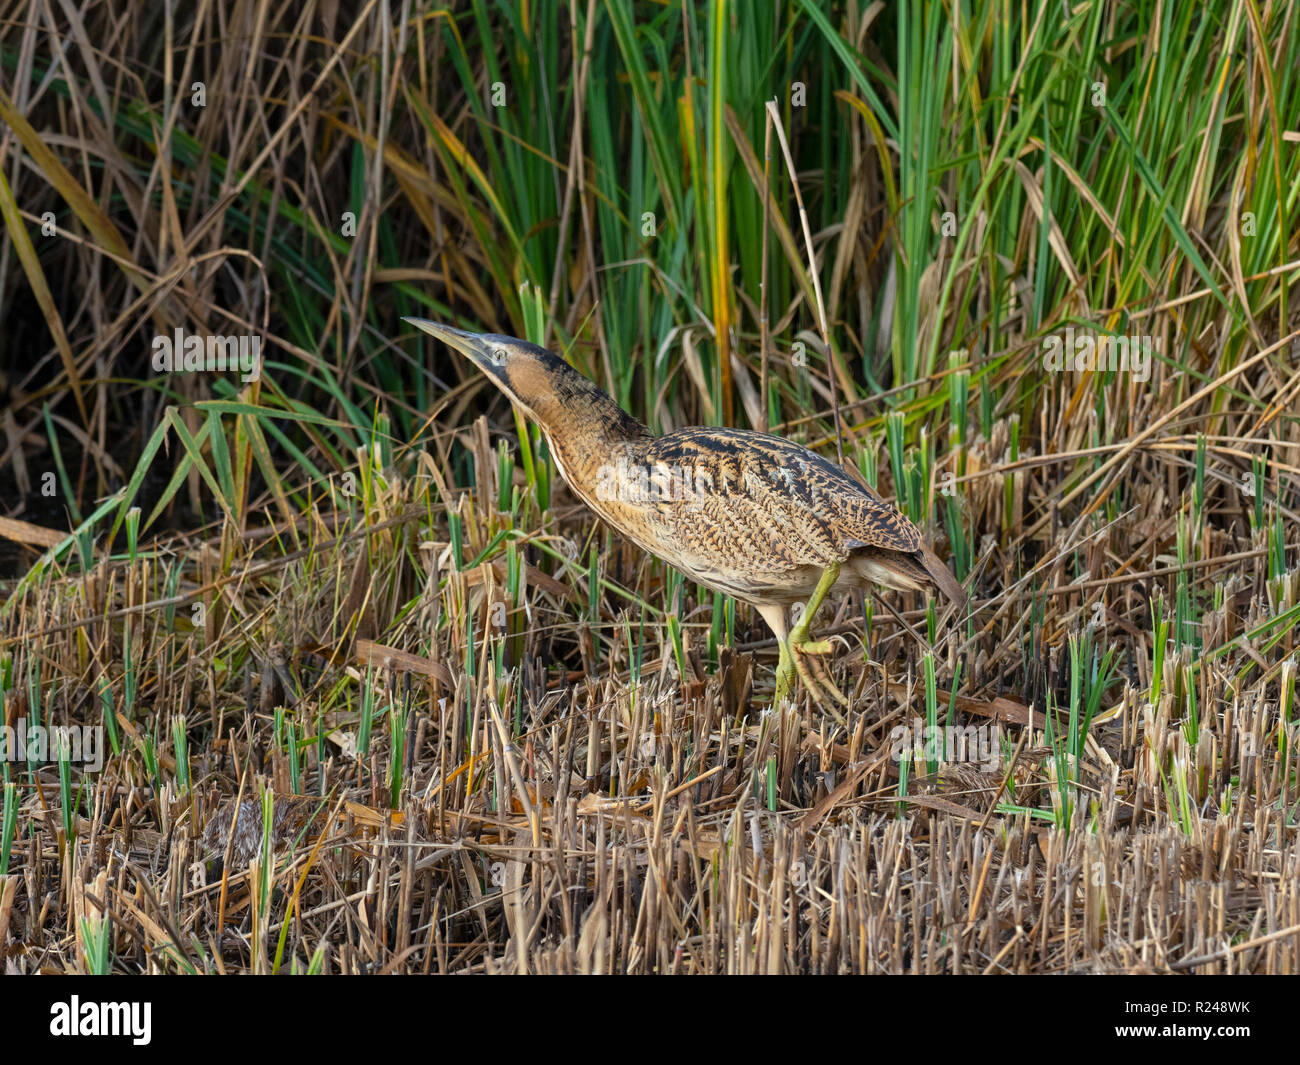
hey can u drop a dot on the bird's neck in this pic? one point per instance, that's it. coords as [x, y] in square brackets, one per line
[587, 431]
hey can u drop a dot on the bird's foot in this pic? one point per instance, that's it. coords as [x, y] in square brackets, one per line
[799, 643]
[826, 694]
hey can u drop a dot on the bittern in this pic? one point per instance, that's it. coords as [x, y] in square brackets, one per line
[752, 515]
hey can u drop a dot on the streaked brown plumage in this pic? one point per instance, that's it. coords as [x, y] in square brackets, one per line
[745, 513]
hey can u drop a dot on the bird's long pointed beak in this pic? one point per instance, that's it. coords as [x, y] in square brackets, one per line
[468, 344]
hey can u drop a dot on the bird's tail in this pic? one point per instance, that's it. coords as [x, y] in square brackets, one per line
[939, 573]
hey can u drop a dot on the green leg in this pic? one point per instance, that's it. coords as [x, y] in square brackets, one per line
[784, 673]
[799, 634]
[797, 641]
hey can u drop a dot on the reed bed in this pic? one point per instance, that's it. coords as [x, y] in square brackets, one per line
[375, 694]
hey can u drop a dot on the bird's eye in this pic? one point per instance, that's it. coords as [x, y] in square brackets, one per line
[499, 356]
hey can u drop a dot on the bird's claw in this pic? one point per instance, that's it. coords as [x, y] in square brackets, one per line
[825, 695]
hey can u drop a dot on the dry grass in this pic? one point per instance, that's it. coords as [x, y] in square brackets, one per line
[384, 709]
[620, 828]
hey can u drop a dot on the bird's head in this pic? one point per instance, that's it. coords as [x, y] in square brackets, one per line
[523, 371]
[540, 383]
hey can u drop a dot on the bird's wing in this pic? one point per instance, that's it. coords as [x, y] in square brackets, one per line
[789, 499]
[854, 519]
